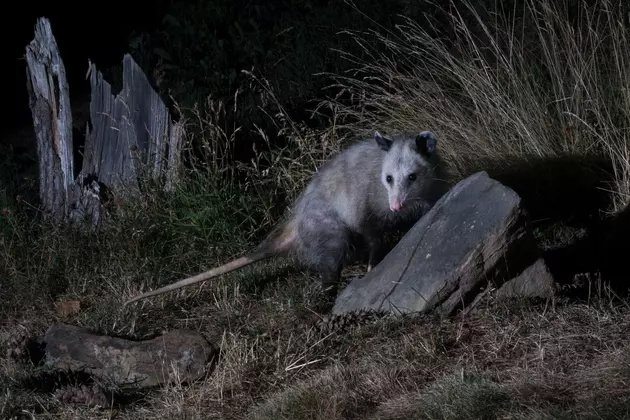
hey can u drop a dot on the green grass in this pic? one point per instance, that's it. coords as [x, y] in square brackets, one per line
[492, 106]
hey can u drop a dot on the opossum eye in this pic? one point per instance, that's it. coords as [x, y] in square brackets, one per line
[412, 177]
[389, 179]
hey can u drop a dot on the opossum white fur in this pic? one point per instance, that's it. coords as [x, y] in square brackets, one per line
[374, 186]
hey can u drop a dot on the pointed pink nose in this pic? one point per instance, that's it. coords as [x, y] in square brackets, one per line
[395, 206]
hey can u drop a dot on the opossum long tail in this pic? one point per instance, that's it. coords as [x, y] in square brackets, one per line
[226, 268]
[278, 243]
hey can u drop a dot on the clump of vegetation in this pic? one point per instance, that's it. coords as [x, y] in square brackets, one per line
[516, 84]
[528, 81]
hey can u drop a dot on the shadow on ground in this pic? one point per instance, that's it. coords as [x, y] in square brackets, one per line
[572, 192]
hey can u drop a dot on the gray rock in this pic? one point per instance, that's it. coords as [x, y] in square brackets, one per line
[535, 281]
[475, 234]
[125, 363]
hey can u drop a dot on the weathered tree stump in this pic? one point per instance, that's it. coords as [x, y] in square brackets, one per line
[49, 101]
[131, 135]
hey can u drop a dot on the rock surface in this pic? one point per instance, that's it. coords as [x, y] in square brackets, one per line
[140, 364]
[476, 233]
[535, 281]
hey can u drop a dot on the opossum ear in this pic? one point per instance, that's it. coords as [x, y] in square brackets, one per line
[426, 143]
[383, 143]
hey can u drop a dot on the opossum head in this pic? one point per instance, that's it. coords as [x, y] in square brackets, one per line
[407, 171]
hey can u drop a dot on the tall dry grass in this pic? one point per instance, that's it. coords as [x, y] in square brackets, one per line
[548, 79]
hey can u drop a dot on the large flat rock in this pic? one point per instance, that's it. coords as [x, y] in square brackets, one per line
[477, 233]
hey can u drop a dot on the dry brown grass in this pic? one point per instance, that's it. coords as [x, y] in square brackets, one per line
[550, 79]
[511, 360]
[565, 362]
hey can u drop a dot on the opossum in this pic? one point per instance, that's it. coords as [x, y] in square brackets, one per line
[374, 186]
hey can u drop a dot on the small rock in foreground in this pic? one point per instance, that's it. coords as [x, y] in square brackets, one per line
[178, 354]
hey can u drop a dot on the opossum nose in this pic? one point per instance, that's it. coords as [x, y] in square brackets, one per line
[395, 205]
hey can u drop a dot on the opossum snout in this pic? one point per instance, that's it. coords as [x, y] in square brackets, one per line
[395, 204]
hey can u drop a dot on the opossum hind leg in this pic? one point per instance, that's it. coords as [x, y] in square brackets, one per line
[331, 254]
[323, 248]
